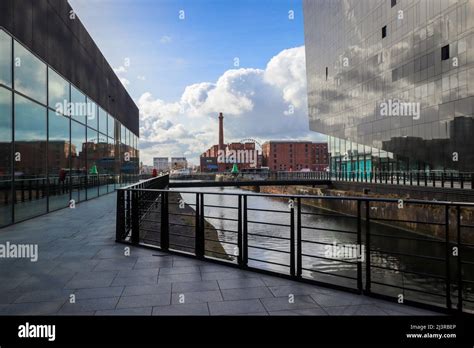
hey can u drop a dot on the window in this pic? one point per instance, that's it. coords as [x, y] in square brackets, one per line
[78, 105]
[384, 32]
[30, 148]
[78, 161]
[58, 160]
[92, 117]
[58, 92]
[5, 59]
[394, 2]
[93, 153]
[5, 160]
[110, 126]
[30, 74]
[102, 121]
[445, 52]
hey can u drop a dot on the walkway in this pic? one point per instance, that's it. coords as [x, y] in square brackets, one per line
[78, 256]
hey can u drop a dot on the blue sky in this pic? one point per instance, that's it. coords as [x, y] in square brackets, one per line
[172, 53]
[182, 72]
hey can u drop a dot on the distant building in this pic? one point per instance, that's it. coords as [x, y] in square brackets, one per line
[178, 163]
[161, 164]
[222, 157]
[295, 155]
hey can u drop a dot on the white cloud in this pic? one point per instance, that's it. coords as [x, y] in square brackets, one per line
[124, 81]
[165, 39]
[141, 77]
[264, 104]
[120, 70]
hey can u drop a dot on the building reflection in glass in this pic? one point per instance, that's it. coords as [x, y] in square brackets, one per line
[361, 54]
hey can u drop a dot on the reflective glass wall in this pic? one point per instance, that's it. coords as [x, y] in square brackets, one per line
[57, 146]
[395, 77]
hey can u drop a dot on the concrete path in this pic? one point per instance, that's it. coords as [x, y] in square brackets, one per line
[78, 256]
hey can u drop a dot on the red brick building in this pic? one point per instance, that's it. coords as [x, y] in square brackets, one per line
[295, 156]
[221, 157]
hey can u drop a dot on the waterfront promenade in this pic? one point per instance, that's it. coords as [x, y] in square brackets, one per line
[77, 255]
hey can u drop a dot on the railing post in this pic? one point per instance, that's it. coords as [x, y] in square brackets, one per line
[459, 260]
[461, 178]
[197, 226]
[299, 245]
[452, 180]
[292, 238]
[239, 232]
[245, 249]
[447, 256]
[359, 245]
[120, 217]
[135, 219]
[199, 239]
[367, 247]
[164, 240]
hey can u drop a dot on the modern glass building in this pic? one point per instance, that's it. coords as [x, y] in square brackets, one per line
[391, 82]
[68, 128]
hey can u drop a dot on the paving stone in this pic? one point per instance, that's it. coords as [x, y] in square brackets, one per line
[111, 291]
[94, 304]
[355, 310]
[126, 311]
[236, 307]
[284, 303]
[182, 309]
[245, 293]
[172, 278]
[144, 300]
[195, 286]
[240, 283]
[196, 297]
[132, 290]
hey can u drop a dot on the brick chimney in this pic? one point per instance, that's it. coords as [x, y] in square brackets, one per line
[221, 131]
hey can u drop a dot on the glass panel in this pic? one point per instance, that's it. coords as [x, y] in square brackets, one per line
[110, 165]
[92, 161]
[30, 159]
[78, 161]
[58, 93]
[5, 59]
[102, 155]
[78, 105]
[5, 157]
[102, 121]
[30, 74]
[110, 126]
[92, 119]
[58, 161]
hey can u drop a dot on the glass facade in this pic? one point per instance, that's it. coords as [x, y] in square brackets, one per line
[393, 99]
[56, 144]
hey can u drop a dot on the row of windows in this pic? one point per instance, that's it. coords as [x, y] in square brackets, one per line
[34, 79]
[57, 147]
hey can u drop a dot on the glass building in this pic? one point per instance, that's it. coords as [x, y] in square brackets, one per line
[58, 144]
[391, 82]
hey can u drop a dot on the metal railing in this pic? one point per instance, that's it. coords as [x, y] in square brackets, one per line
[417, 252]
[439, 179]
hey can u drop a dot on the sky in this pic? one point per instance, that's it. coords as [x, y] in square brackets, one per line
[184, 61]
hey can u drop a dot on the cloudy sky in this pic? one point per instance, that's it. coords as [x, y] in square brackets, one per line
[184, 61]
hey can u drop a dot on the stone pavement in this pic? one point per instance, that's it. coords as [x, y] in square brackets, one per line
[78, 255]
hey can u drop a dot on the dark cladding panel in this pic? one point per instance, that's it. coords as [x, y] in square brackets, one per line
[46, 28]
[23, 21]
[40, 31]
[6, 14]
